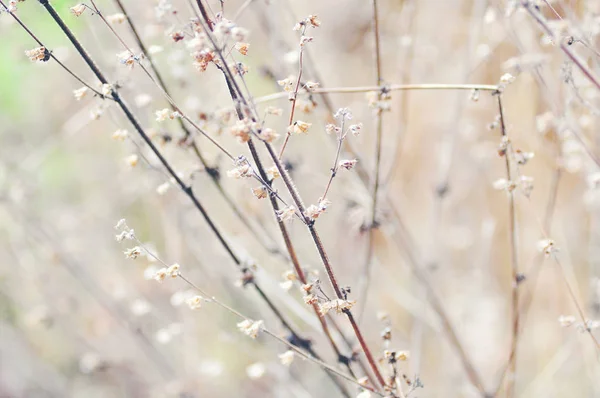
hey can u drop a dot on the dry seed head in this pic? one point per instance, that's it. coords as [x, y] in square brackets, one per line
[107, 89]
[311, 299]
[260, 192]
[240, 172]
[133, 253]
[287, 83]
[268, 135]
[338, 305]
[299, 127]
[347, 164]
[194, 302]
[273, 172]
[126, 58]
[120, 135]
[80, 93]
[242, 47]
[355, 129]
[566, 320]
[78, 9]
[250, 328]
[286, 213]
[271, 110]
[287, 358]
[38, 54]
[116, 18]
[547, 246]
[173, 270]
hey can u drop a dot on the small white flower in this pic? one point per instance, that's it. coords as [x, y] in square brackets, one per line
[547, 246]
[250, 328]
[78, 9]
[80, 93]
[194, 302]
[287, 357]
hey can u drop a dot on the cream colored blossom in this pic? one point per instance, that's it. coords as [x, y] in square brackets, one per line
[120, 135]
[132, 160]
[242, 47]
[133, 253]
[250, 328]
[347, 164]
[309, 85]
[240, 172]
[338, 305]
[299, 127]
[38, 54]
[160, 275]
[127, 59]
[286, 213]
[268, 135]
[272, 110]
[260, 192]
[311, 299]
[273, 173]
[78, 9]
[107, 89]
[547, 246]
[116, 18]
[287, 358]
[194, 302]
[80, 93]
[173, 270]
[287, 83]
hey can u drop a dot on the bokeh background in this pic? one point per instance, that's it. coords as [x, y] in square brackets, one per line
[78, 319]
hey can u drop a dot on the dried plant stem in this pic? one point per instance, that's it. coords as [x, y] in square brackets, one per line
[212, 172]
[335, 167]
[365, 280]
[391, 87]
[294, 97]
[296, 263]
[532, 276]
[185, 188]
[34, 37]
[515, 280]
[306, 355]
[407, 245]
[543, 23]
[325, 260]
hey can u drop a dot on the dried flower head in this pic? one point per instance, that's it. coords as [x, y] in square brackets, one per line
[132, 160]
[269, 135]
[80, 93]
[194, 302]
[332, 128]
[128, 234]
[299, 127]
[547, 246]
[311, 299]
[287, 83]
[78, 9]
[133, 253]
[160, 275]
[286, 213]
[566, 320]
[177, 36]
[127, 59]
[305, 39]
[272, 110]
[107, 89]
[355, 129]
[241, 171]
[260, 192]
[250, 327]
[287, 358]
[273, 173]
[38, 54]
[120, 135]
[311, 85]
[116, 18]
[173, 270]
[242, 47]
[338, 305]
[347, 164]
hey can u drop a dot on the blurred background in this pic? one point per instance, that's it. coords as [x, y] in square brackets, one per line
[79, 319]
